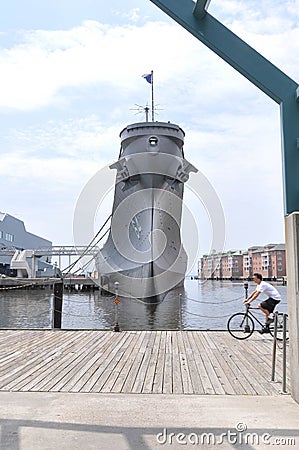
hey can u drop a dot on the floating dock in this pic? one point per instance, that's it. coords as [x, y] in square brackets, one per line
[173, 362]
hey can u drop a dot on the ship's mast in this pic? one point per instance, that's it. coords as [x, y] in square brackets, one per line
[153, 105]
[150, 79]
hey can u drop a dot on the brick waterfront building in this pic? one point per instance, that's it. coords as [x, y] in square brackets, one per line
[269, 260]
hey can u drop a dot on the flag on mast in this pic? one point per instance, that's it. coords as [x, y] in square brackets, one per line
[148, 77]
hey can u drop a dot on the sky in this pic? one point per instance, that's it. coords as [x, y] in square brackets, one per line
[70, 80]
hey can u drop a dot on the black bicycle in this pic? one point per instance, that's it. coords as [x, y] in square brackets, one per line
[241, 325]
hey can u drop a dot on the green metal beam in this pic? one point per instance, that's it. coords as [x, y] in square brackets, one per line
[257, 69]
[230, 47]
[201, 8]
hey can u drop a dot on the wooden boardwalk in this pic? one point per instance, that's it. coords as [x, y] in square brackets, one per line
[188, 362]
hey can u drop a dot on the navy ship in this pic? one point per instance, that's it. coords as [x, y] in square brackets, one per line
[143, 252]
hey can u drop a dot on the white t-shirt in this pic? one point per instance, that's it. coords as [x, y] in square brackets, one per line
[269, 290]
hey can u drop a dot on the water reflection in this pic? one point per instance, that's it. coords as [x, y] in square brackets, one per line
[198, 306]
[25, 309]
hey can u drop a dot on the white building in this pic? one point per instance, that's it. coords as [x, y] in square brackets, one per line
[13, 234]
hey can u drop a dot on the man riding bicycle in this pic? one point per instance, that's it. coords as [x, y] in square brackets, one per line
[267, 306]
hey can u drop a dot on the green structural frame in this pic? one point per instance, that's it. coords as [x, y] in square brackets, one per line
[257, 69]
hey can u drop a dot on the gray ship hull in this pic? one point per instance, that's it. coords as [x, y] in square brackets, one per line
[143, 251]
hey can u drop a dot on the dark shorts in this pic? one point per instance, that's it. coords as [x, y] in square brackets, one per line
[269, 304]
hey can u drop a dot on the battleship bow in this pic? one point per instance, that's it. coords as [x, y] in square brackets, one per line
[143, 251]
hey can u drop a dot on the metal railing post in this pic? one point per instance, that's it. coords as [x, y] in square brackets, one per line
[116, 302]
[284, 354]
[57, 304]
[274, 346]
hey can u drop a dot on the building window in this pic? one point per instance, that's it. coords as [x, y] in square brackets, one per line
[9, 237]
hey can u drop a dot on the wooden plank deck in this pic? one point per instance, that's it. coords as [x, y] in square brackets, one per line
[188, 362]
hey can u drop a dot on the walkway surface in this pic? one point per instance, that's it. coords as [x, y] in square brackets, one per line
[178, 362]
[141, 390]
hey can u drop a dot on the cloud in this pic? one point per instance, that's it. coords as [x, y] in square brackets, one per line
[37, 70]
[43, 192]
[34, 72]
[52, 175]
[133, 15]
[84, 138]
[40, 70]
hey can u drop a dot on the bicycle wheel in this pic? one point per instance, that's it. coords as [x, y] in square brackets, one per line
[240, 325]
[280, 327]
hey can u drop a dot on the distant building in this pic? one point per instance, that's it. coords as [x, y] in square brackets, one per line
[278, 261]
[232, 264]
[14, 234]
[269, 260]
[210, 266]
[251, 260]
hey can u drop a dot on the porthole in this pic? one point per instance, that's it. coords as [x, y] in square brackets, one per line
[153, 141]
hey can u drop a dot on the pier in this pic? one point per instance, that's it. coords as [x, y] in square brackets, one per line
[140, 362]
[70, 283]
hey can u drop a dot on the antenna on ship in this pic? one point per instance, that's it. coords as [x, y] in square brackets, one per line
[142, 109]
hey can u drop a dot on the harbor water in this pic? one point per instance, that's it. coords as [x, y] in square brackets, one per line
[199, 306]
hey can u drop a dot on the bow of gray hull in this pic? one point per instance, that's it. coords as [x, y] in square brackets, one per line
[143, 251]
